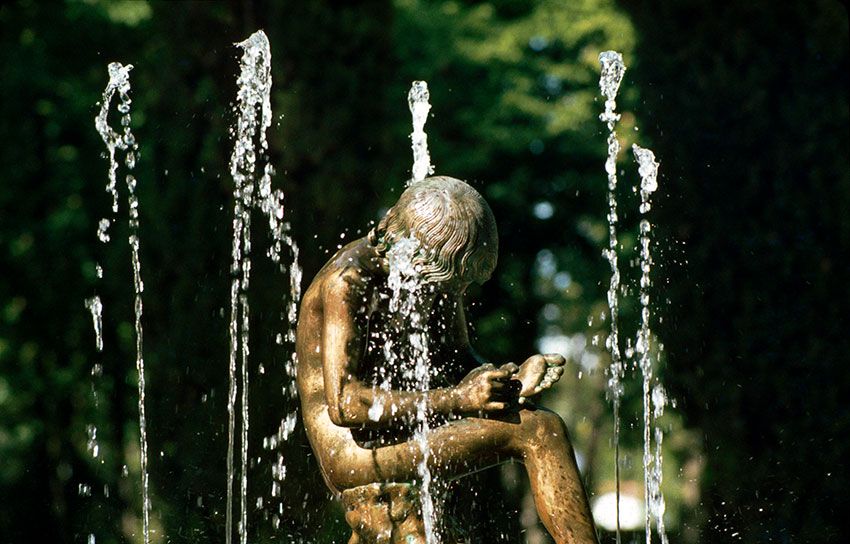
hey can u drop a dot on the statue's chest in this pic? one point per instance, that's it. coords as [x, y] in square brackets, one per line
[400, 355]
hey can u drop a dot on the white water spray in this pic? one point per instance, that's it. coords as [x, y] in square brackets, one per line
[657, 505]
[119, 81]
[407, 285]
[417, 100]
[96, 308]
[610, 78]
[254, 117]
[648, 170]
[254, 80]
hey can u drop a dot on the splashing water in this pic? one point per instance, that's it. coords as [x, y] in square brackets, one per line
[119, 81]
[613, 69]
[417, 100]
[609, 83]
[406, 284]
[91, 441]
[103, 230]
[657, 505]
[648, 170]
[254, 117]
[254, 80]
[271, 203]
[96, 308]
[405, 306]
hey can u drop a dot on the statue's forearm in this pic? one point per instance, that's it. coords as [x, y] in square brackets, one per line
[371, 406]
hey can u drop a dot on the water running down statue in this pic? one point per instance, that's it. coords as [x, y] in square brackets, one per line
[361, 430]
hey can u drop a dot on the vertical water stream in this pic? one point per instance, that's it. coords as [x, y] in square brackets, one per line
[119, 82]
[406, 284]
[652, 394]
[254, 191]
[417, 101]
[654, 398]
[411, 329]
[609, 83]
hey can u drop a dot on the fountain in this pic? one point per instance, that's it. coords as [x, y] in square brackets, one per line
[368, 436]
[405, 282]
[410, 330]
[254, 116]
[417, 101]
[654, 397]
[119, 81]
[393, 400]
[609, 83]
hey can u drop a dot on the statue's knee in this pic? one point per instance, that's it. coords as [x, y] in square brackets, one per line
[542, 426]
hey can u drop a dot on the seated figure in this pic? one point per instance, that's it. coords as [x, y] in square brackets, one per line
[481, 414]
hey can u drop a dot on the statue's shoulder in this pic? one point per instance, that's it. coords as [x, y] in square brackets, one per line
[350, 272]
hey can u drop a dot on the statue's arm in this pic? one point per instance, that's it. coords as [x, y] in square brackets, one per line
[343, 344]
[349, 400]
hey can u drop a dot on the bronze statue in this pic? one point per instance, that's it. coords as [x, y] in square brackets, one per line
[481, 414]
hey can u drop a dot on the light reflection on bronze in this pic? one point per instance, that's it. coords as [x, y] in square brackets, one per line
[483, 414]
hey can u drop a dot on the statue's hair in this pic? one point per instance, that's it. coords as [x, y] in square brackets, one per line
[454, 225]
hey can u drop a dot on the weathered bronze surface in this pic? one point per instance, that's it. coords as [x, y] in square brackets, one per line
[481, 414]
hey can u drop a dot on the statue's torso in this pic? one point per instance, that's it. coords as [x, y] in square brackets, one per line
[377, 365]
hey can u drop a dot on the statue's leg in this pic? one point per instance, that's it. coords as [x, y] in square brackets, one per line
[556, 484]
[536, 437]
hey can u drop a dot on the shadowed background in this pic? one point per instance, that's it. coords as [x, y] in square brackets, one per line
[744, 104]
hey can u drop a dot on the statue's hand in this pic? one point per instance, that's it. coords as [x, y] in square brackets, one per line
[487, 389]
[539, 372]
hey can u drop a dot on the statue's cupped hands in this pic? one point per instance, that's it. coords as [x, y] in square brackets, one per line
[488, 389]
[538, 373]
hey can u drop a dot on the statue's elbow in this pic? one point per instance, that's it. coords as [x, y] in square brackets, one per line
[335, 409]
[343, 415]
[345, 405]
[336, 416]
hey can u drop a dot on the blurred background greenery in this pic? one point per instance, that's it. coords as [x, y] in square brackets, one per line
[744, 104]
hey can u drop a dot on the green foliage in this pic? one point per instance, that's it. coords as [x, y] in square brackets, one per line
[754, 153]
[744, 106]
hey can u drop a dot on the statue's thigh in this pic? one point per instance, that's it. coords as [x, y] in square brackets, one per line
[454, 449]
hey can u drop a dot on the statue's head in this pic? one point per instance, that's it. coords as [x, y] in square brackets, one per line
[454, 226]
